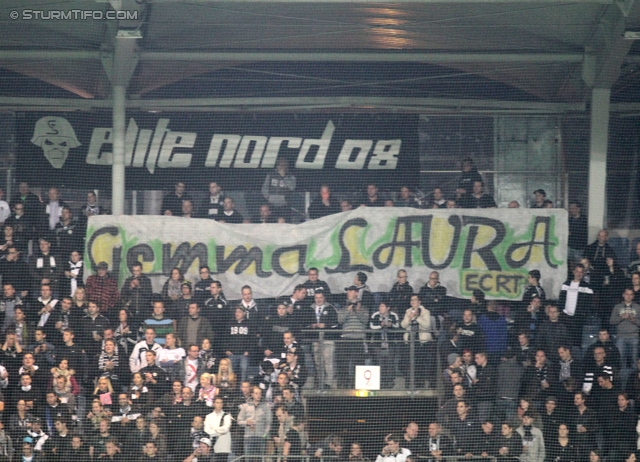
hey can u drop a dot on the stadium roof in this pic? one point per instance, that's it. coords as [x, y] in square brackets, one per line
[320, 54]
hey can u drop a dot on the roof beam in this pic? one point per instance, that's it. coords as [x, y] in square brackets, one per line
[356, 57]
[511, 2]
[295, 103]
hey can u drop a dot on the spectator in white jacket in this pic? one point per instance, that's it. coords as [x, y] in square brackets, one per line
[392, 452]
[138, 358]
[217, 426]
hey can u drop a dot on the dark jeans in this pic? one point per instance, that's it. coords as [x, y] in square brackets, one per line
[349, 355]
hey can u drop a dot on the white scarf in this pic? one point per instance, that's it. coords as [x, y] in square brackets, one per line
[74, 268]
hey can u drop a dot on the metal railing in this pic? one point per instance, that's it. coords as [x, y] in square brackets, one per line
[372, 339]
[282, 458]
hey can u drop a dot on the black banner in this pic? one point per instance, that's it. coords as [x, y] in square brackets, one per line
[237, 150]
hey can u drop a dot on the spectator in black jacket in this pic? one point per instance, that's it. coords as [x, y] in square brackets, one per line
[577, 307]
[534, 288]
[552, 332]
[324, 205]
[466, 431]
[483, 390]
[136, 294]
[400, 294]
[240, 342]
[433, 295]
[578, 232]
[312, 284]
[438, 444]
[539, 380]
[597, 253]
[488, 444]
[619, 429]
[509, 443]
[470, 334]
[92, 328]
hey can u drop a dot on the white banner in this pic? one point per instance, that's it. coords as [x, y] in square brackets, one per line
[489, 249]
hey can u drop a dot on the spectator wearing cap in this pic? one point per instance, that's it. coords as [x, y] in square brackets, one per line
[540, 197]
[532, 440]
[240, 343]
[351, 350]
[217, 425]
[39, 436]
[103, 289]
[202, 452]
[181, 305]
[28, 453]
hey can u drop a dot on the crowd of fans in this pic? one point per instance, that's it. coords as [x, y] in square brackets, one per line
[90, 369]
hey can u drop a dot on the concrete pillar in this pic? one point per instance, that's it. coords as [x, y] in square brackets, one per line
[117, 172]
[600, 100]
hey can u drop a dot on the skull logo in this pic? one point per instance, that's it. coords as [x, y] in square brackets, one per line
[55, 136]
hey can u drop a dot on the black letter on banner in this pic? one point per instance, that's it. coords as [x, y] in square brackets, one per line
[345, 265]
[244, 258]
[184, 255]
[115, 252]
[302, 257]
[546, 243]
[454, 220]
[141, 253]
[407, 243]
[486, 252]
